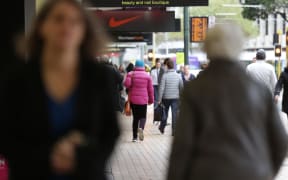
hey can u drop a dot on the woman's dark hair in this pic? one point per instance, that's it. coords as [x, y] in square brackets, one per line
[130, 67]
[166, 61]
[170, 64]
[94, 40]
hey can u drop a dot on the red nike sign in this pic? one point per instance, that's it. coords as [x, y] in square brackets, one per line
[113, 23]
[138, 21]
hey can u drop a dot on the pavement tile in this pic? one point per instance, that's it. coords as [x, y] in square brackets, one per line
[148, 160]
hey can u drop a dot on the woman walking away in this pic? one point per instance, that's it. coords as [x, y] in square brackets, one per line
[59, 123]
[282, 83]
[169, 93]
[141, 93]
[228, 127]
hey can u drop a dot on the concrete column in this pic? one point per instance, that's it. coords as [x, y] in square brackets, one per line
[279, 23]
[271, 25]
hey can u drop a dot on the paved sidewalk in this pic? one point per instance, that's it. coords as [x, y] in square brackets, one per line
[283, 174]
[148, 160]
[145, 160]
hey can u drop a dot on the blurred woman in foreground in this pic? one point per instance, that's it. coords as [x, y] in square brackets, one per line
[57, 110]
[228, 128]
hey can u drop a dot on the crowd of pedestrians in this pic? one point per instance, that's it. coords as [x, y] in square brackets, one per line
[58, 110]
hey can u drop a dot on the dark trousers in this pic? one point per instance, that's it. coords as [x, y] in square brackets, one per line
[156, 95]
[139, 118]
[174, 104]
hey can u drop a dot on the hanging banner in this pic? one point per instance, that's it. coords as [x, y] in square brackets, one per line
[147, 3]
[198, 27]
[180, 57]
[133, 37]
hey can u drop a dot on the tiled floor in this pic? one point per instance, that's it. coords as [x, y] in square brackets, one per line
[148, 160]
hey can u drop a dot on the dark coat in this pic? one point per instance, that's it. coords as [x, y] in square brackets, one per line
[283, 83]
[228, 129]
[117, 86]
[191, 78]
[25, 135]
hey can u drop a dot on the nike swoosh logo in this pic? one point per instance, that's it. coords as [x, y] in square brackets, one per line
[113, 23]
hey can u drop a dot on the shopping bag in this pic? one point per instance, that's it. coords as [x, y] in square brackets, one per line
[128, 110]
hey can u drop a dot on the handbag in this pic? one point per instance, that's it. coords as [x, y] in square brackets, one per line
[159, 113]
[128, 110]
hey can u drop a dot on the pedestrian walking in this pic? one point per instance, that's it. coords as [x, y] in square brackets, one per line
[262, 71]
[57, 112]
[169, 93]
[181, 70]
[156, 75]
[187, 76]
[229, 127]
[122, 70]
[130, 67]
[141, 93]
[117, 85]
[282, 84]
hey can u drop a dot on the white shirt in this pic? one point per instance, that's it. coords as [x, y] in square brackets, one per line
[263, 73]
[154, 75]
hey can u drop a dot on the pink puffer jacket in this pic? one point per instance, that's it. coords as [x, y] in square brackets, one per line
[140, 87]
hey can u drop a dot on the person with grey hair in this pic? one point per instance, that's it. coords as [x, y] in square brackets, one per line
[228, 126]
[263, 72]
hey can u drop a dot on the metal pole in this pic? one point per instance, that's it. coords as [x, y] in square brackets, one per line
[142, 52]
[30, 12]
[166, 43]
[275, 24]
[287, 47]
[154, 48]
[186, 35]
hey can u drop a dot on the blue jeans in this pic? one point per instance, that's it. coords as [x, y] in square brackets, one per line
[174, 104]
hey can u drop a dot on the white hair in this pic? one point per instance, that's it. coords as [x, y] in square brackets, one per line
[224, 42]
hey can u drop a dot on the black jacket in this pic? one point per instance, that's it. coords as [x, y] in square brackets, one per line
[117, 86]
[25, 136]
[283, 83]
[191, 78]
[228, 128]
